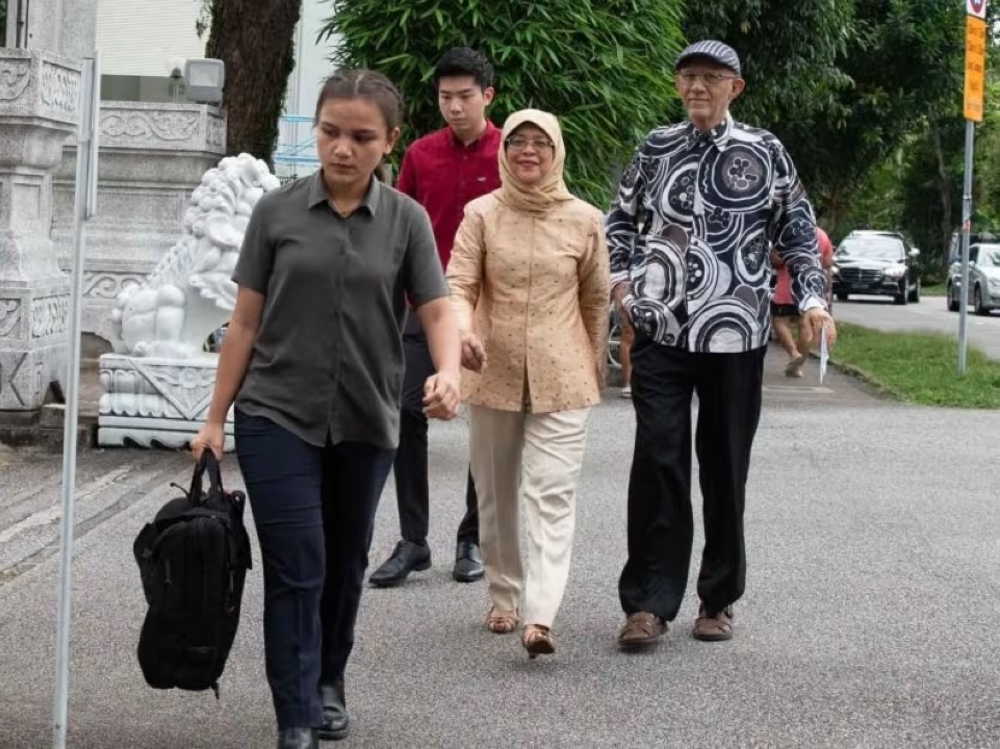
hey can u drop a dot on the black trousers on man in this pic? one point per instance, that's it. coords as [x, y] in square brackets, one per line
[410, 467]
[660, 522]
[314, 511]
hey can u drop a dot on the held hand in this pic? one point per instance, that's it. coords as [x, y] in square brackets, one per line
[442, 396]
[618, 294]
[473, 353]
[813, 322]
[211, 436]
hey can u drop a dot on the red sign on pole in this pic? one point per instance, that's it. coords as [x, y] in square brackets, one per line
[976, 8]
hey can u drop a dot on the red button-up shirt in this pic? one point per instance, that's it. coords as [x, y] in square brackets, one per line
[443, 174]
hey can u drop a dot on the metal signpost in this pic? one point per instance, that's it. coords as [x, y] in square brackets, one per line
[85, 208]
[975, 65]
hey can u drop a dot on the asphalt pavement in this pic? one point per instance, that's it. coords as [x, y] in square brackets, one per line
[930, 314]
[868, 621]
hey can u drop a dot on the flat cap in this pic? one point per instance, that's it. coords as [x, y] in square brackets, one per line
[710, 49]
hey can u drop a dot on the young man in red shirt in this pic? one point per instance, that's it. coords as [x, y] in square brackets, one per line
[442, 171]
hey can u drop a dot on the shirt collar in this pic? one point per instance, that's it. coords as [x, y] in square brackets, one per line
[487, 133]
[318, 193]
[719, 135]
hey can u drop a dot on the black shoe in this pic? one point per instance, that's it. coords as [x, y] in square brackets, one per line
[468, 563]
[336, 724]
[298, 738]
[406, 558]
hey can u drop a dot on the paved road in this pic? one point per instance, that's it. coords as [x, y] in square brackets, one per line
[869, 619]
[931, 314]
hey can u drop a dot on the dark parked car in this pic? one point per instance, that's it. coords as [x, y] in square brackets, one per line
[876, 262]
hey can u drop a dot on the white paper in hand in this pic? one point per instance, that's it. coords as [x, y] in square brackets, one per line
[824, 354]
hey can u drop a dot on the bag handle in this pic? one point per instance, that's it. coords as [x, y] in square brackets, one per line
[207, 462]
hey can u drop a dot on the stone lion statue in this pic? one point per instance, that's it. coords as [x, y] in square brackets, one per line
[190, 292]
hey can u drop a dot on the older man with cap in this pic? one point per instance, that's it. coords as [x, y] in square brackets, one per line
[689, 236]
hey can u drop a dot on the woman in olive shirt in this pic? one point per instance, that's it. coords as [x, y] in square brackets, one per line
[313, 361]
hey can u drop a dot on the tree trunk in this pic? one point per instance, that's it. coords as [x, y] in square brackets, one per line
[836, 201]
[256, 41]
[945, 194]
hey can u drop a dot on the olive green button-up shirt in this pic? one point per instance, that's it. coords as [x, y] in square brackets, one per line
[327, 362]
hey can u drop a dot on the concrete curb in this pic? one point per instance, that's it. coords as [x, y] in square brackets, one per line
[46, 430]
[860, 375]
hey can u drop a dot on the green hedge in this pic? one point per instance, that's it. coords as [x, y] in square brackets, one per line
[603, 66]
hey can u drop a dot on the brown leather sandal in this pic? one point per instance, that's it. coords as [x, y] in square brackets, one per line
[640, 629]
[537, 640]
[794, 367]
[715, 628]
[501, 622]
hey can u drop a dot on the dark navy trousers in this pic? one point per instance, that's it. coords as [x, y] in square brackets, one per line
[314, 511]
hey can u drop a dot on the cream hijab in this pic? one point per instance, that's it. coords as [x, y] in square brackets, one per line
[550, 190]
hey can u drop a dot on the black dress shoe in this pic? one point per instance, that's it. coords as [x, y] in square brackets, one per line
[335, 721]
[468, 563]
[406, 558]
[298, 738]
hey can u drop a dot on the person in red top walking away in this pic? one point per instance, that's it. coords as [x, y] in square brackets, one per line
[443, 171]
[784, 312]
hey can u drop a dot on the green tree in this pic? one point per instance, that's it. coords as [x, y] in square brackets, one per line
[931, 187]
[877, 202]
[790, 52]
[844, 83]
[904, 61]
[918, 188]
[602, 66]
[987, 168]
[930, 155]
[256, 41]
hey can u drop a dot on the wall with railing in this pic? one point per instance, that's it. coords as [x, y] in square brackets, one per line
[295, 155]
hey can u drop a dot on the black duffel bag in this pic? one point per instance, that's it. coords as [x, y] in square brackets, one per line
[193, 559]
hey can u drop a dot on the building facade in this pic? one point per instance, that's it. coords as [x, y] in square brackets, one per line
[143, 42]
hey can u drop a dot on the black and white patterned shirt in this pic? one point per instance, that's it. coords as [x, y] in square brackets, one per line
[691, 227]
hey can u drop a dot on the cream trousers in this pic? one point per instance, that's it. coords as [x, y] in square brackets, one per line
[536, 458]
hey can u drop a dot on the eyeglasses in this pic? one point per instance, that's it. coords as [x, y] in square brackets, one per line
[519, 144]
[710, 79]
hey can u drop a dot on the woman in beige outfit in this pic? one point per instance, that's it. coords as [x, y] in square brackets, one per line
[529, 281]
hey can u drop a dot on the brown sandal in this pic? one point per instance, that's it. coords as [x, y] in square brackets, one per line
[501, 622]
[641, 628]
[715, 628]
[794, 367]
[537, 640]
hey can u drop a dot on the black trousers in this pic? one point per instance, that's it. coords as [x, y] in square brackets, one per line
[314, 511]
[660, 522]
[410, 467]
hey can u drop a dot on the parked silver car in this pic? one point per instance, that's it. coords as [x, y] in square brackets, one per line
[984, 279]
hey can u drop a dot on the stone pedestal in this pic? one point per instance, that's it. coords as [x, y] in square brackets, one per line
[152, 157]
[39, 95]
[150, 402]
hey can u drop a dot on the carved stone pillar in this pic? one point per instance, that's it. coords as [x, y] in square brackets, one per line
[152, 156]
[38, 110]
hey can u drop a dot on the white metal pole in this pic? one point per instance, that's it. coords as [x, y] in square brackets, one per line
[85, 202]
[963, 309]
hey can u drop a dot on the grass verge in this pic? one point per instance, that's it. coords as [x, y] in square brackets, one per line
[934, 289]
[918, 367]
